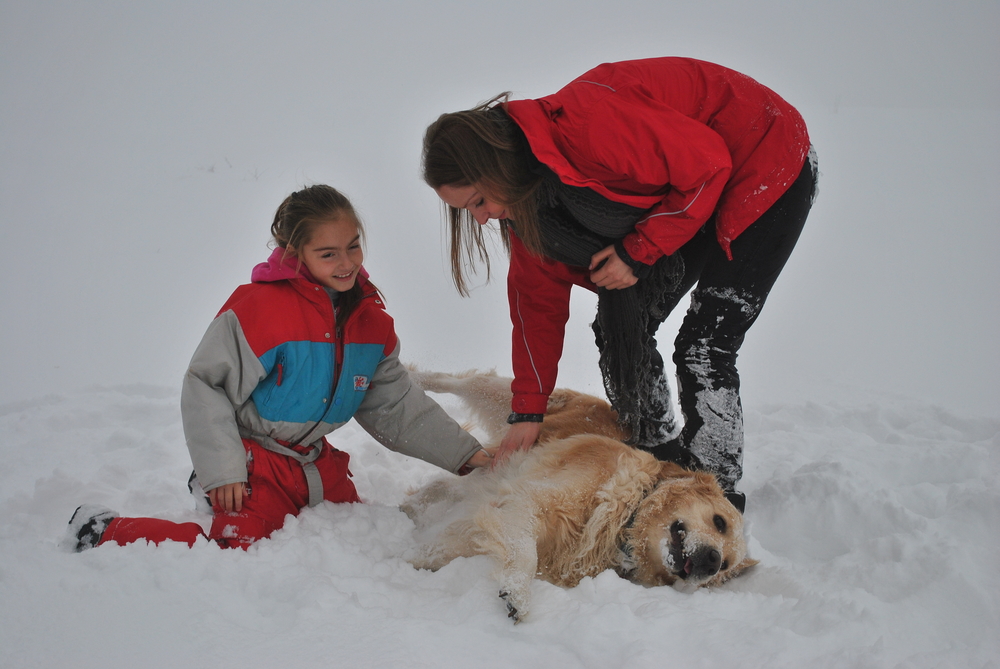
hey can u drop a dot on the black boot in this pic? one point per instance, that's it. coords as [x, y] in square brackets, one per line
[673, 451]
[737, 499]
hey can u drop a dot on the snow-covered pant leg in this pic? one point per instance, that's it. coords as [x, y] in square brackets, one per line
[277, 488]
[726, 302]
[661, 423]
[657, 422]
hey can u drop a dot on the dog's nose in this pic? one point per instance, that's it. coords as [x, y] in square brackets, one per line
[705, 562]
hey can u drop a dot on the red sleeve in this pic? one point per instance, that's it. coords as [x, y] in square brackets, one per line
[538, 291]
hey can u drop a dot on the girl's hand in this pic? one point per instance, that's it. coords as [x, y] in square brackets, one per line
[609, 271]
[482, 458]
[229, 497]
[519, 437]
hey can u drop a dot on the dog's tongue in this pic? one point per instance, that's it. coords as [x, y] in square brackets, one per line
[688, 566]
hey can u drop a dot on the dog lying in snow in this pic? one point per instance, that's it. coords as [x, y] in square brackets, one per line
[577, 504]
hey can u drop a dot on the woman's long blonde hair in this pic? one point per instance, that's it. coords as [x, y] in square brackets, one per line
[483, 147]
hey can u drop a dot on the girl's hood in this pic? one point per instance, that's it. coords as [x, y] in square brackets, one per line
[281, 265]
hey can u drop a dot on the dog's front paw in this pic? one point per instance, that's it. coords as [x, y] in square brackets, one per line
[513, 612]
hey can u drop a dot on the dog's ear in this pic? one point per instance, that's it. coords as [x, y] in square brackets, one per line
[730, 573]
[671, 470]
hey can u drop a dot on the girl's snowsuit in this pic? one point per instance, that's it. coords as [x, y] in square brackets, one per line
[708, 152]
[274, 373]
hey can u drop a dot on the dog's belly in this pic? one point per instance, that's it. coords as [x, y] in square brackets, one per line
[581, 492]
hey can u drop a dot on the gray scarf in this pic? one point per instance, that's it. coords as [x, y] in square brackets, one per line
[575, 223]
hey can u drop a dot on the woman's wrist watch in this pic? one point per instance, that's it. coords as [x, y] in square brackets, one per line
[516, 417]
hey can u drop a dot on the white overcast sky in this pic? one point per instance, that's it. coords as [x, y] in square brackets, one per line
[144, 147]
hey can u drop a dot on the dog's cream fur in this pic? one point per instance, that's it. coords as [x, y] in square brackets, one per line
[575, 505]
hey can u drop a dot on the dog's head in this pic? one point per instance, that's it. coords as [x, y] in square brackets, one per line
[687, 530]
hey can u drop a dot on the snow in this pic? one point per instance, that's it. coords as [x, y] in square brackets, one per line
[143, 150]
[874, 524]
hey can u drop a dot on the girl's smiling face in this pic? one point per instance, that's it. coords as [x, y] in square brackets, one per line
[333, 253]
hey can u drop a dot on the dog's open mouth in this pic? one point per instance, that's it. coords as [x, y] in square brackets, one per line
[697, 562]
[681, 565]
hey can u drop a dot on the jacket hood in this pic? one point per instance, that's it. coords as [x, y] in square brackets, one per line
[280, 267]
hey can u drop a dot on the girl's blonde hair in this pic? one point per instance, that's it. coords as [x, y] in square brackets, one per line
[296, 220]
[483, 147]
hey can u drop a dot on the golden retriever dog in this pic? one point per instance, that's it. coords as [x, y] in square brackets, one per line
[578, 503]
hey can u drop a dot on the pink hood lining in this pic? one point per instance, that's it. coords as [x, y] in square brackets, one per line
[279, 267]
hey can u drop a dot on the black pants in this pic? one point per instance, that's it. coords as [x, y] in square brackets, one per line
[726, 301]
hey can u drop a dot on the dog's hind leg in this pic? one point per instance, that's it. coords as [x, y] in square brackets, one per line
[509, 537]
[417, 503]
[453, 542]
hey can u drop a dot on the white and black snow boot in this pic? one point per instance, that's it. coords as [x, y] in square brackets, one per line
[86, 527]
[202, 503]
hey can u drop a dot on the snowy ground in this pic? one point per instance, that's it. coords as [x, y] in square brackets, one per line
[875, 525]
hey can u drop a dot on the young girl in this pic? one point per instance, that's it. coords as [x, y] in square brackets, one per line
[290, 358]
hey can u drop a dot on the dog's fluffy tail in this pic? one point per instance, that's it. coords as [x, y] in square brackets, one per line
[456, 384]
[486, 395]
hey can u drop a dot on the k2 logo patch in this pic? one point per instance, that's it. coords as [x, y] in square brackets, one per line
[361, 383]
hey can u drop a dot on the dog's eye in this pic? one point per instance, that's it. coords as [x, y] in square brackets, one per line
[724, 566]
[720, 523]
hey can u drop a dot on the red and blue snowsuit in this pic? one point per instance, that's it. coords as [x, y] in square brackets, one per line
[274, 374]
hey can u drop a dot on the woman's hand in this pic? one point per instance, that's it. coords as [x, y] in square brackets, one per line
[519, 437]
[609, 271]
[230, 496]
